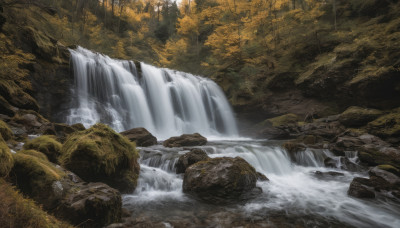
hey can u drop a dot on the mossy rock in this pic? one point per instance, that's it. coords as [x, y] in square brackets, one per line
[375, 156]
[357, 116]
[5, 131]
[284, 120]
[101, 154]
[387, 125]
[16, 96]
[34, 153]
[390, 168]
[46, 144]
[35, 176]
[6, 159]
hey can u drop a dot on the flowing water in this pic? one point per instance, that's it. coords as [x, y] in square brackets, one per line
[165, 102]
[169, 103]
[295, 194]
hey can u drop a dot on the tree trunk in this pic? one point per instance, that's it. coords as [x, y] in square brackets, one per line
[334, 13]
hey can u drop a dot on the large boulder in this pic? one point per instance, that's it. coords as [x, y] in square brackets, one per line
[101, 154]
[140, 136]
[6, 159]
[46, 144]
[375, 155]
[15, 96]
[361, 188]
[357, 116]
[220, 179]
[63, 193]
[386, 126]
[186, 140]
[280, 127]
[190, 158]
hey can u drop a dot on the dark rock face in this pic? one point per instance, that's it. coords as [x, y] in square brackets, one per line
[281, 127]
[375, 155]
[100, 154]
[220, 180]
[190, 158]
[186, 140]
[141, 136]
[357, 116]
[360, 188]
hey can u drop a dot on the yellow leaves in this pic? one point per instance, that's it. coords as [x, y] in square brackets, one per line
[119, 50]
[188, 26]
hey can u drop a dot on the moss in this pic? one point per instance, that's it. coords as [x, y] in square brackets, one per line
[16, 96]
[46, 144]
[373, 156]
[34, 175]
[101, 154]
[390, 168]
[34, 153]
[5, 131]
[357, 116]
[6, 159]
[387, 125]
[281, 120]
[17, 211]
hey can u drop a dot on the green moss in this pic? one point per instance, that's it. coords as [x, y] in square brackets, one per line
[6, 159]
[16, 96]
[390, 168]
[282, 120]
[5, 131]
[17, 211]
[387, 125]
[34, 153]
[357, 116]
[100, 154]
[46, 144]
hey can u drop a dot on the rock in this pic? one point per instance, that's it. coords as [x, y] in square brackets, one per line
[46, 144]
[15, 96]
[186, 140]
[61, 130]
[384, 180]
[360, 188]
[78, 127]
[280, 127]
[6, 159]
[190, 158]
[353, 143]
[94, 205]
[99, 154]
[261, 177]
[220, 179]
[390, 168]
[63, 193]
[6, 108]
[375, 155]
[141, 136]
[357, 116]
[387, 125]
[321, 128]
[294, 146]
[27, 122]
[342, 163]
[329, 173]
[5, 131]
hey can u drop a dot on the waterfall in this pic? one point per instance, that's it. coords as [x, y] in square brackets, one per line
[164, 101]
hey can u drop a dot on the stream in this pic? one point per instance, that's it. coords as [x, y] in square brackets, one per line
[295, 195]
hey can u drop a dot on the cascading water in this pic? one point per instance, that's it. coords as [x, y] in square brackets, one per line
[165, 102]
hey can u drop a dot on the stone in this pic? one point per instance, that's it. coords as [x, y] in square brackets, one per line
[360, 188]
[356, 116]
[5, 131]
[190, 158]
[46, 144]
[6, 159]
[140, 136]
[99, 154]
[186, 140]
[220, 180]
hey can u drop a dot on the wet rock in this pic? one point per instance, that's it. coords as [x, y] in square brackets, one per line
[384, 180]
[46, 144]
[190, 158]
[141, 136]
[329, 173]
[220, 180]
[261, 177]
[294, 146]
[343, 163]
[324, 129]
[357, 116]
[94, 205]
[99, 154]
[185, 140]
[360, 188]
[390, 168]
[281, 127]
